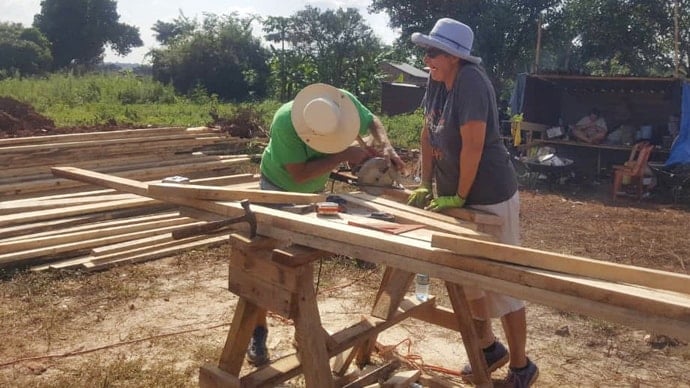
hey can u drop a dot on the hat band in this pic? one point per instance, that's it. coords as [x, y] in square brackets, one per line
[447, 39]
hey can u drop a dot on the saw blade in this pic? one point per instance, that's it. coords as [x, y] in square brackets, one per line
[376, 174]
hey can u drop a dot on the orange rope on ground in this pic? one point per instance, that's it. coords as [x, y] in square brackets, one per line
[415, 360]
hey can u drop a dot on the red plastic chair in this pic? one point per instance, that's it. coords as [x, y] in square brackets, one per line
[632, 169]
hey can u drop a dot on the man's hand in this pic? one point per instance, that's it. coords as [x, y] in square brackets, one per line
[419, 197]
[391, 156]
[355, 155]
[440, 203]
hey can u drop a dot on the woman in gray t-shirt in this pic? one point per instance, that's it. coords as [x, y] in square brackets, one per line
[463, 154]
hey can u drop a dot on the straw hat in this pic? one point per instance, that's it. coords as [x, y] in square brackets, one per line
[451, 36]
[325, 118]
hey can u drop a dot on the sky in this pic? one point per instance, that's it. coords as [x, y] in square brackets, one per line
[145, 13]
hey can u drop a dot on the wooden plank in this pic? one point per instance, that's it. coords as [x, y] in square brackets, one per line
[42, 215]
[391, 292]
[411, 211]
[261, 292]
[402, 379]
[226, 180]
[470, 338]
[107, 164]
[409, 214]
[33, 242]
[99, 135]
[414, 256]
[467, 214]
[98, 264]
[374, 375]
[142, 174]
[573, 265]
[42, 226]
[232, 194]
[309, 333]
[13, 207]
[158, 243]
[294, 256]
[260, 267]
[439, 316]
[100, 143]
[241, 329]
[70, 155]
[210, 376]
[630, 315]
[16, 258]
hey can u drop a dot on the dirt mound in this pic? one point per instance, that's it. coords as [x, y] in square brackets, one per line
[20, 119]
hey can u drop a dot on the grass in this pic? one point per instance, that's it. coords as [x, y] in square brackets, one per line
[130, 100]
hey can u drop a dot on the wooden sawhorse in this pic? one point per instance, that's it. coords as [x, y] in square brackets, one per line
[270, 277]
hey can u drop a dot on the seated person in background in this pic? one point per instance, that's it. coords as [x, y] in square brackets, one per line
[591, 128]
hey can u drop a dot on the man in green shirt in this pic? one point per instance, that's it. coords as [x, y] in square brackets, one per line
[311, 136]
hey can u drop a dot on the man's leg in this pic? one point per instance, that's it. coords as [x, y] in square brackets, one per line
[257, 352]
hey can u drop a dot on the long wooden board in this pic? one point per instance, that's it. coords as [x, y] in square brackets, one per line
[459, 215]
[565, 263]
[195, 191]
[33, 242]
[42, 215]
[651, 305]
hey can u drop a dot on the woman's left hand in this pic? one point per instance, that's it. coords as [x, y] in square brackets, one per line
[445, 202]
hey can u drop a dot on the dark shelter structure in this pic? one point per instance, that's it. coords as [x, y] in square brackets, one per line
[650, 108]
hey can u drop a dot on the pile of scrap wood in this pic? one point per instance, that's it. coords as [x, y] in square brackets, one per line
[62, 223]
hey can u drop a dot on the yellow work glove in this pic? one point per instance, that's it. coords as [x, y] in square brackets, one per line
[419, 197]
[440, 203]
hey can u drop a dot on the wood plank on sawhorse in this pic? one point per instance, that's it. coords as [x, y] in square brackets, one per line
[269, 277]
[395, 284]
[279, 280]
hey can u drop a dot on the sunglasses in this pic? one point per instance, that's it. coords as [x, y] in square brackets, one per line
[433, 52]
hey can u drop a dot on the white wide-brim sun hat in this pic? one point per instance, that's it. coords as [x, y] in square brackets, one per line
[325, 118]
[451, 36]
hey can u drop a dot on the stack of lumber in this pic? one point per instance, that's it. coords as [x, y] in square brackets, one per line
[136, 153]
[62, 223]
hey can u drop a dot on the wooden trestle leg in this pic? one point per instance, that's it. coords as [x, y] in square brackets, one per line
[266, 277]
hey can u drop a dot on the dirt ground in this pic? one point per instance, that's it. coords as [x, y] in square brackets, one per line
[154, 324]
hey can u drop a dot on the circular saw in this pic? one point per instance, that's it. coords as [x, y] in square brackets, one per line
[376, 175]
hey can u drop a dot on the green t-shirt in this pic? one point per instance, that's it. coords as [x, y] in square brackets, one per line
[285, 147]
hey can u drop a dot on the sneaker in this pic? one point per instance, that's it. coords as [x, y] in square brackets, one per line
[523, 377]
[495, 355]
[257, 353]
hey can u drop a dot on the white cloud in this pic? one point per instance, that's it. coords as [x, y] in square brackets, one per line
[145, 13]
[19, 11]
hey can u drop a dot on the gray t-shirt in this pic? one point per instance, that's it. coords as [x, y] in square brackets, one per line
[471, 99]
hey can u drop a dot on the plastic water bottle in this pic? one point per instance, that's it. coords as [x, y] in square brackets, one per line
[421, 288]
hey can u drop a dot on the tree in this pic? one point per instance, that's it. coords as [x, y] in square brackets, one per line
[598, 29]
[220, 55]
[167, 32]
[334, 47]
[505, 30]
[23, 50]
[79, 30]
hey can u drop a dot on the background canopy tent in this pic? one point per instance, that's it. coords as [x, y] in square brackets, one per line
[554, 100]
